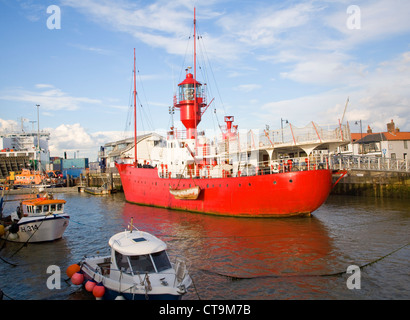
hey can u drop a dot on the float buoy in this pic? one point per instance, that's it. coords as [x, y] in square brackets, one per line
[89, 285]
[99, 291]
[72, 269]
[77, 278]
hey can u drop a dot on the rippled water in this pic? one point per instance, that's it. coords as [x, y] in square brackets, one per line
[234, 258]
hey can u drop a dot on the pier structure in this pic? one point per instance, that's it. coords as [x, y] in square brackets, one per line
[370, 163]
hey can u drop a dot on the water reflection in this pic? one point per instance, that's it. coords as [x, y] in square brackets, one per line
[238, 247]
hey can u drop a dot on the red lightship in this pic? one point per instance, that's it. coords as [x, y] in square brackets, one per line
[279, 173]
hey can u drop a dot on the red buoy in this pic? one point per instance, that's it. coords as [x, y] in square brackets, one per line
[89, 285]
[99, 291]
[72, 269]
[77, 278]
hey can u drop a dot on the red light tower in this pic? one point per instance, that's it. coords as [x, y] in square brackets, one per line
[190, 101]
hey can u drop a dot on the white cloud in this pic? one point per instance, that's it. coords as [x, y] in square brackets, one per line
[49, 98]
[8, 125]
[71, 138]
[381, 94]
[265, 25]
[326, 69]
[162, 24]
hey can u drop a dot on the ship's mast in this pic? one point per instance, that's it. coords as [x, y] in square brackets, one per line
[135, 116]
[191, 99]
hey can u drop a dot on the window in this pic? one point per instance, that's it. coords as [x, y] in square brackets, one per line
[405, 144]
[161, 261]
[45, 208]
[139, 264]
[53, 207]
[142, 264]
[59, 206]
[122, 262]
[38, 209]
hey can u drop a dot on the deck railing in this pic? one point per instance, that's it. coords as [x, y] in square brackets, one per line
[371, 163]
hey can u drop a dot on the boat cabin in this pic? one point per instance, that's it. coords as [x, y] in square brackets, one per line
[42, 206]
[138, 252]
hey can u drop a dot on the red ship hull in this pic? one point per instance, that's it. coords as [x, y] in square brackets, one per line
[271, 195]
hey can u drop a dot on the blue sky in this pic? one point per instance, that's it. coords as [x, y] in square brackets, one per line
[261, 60]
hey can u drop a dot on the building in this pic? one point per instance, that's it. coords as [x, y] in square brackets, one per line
[74, 167]
[390, 144]
[123, 151]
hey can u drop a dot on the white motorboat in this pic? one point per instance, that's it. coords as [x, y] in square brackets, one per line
[36, 220]
[138, 268]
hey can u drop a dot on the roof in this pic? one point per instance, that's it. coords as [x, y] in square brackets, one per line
[381, 136]
[128, 141]
[135, 242]
[357, 136]
[397, 135]
[42, 201]
[189, 80]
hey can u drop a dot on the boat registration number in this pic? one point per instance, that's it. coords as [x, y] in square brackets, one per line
[31, 228]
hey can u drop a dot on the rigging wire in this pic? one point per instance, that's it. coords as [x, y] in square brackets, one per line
[130, 111]
[204, 56]
[148, 116]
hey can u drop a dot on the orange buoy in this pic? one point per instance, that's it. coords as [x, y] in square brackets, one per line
[72, 269]
[77, 278]
[89, 285]
[99, 291]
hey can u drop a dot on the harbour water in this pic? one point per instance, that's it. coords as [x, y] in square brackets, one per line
[233, 258]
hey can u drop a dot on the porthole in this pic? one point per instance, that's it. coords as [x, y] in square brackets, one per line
[290, 180]
[274, 182]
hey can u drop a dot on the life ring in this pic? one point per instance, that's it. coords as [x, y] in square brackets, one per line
[275, 167]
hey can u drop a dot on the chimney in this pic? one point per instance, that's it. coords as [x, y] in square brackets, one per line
[369, 130]
[391, 127]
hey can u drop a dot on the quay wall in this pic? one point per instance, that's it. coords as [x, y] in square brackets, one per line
[374, 184]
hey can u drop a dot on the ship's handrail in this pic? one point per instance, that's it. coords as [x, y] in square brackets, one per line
[313, 162]
[251, 168]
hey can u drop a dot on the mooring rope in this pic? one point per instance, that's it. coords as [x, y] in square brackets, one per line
[234, 278]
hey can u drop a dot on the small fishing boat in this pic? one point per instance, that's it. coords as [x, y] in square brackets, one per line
[35, 220]
[138, 268]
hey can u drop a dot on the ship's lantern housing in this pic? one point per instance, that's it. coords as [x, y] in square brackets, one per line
[189, 105]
